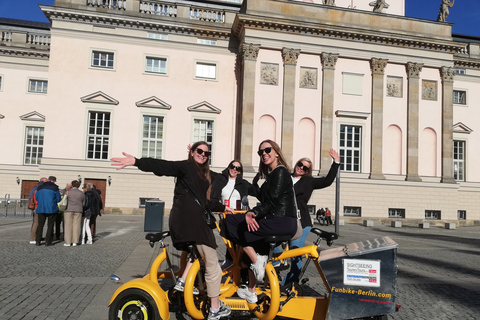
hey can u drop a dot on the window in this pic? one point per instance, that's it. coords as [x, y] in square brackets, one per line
[433, 214]
[98, 135]
[157, 36]
[203, 131]
[462, 214]
[459, 97]
[33, 145]
[152, 142]
[38, 86]
[205, 70]
[352, 211]
[156, 65]
[396, 213]
[350, 147]
[102, 59]
[207, 42]
[143, 201]
[459, 160]
[460, 71]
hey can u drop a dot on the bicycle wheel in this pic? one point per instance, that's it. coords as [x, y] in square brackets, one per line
[133, 304]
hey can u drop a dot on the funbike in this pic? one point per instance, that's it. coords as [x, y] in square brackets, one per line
[358, 280]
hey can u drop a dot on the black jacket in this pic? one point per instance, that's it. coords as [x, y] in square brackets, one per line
[304, 189]
[220, 181]
[276, 196]
[187, 219]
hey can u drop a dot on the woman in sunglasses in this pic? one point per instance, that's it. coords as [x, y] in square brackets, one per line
[187, 220]
[228, 188]
[275, 215]
[304, 184]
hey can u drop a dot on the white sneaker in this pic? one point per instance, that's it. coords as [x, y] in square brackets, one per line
[223, 311]
[89, 242]
[258, 267]
[244, 293]
[66, 245]
[180, 286]
[74, 244]
[33, 242]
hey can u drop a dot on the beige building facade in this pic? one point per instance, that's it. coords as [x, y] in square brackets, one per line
[396, 96]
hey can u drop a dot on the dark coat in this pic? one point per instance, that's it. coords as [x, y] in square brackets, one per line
[220, 181]
[276, 196]
[90, 204]
[304, 189]
[187, 220]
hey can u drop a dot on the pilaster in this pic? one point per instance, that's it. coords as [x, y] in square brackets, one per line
[447, 75]
[376, 161]
[290, 57]
[413, 72]
[249, 54]
[328, 63]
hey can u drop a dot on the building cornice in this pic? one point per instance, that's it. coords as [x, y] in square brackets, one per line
[173, 25]
[24, 53]
[372, 36]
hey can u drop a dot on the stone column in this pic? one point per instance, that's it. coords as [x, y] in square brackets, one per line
[447, 125]
[413, 72]
[328, 63]
[288, 109]
[376, 160]
[249, 54]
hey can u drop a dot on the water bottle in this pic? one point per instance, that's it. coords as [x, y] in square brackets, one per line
[245, 203]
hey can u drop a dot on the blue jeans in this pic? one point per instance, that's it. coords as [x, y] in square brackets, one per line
[292, 275]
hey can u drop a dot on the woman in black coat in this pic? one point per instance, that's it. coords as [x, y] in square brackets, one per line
[275, 215]
[304, 184]
[187, 220]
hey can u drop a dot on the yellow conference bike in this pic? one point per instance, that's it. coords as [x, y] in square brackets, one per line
[358, 281]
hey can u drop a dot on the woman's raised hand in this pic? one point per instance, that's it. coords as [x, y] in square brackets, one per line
[129, 160]
[334, 155]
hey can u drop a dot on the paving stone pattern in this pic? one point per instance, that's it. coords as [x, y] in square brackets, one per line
[438, 270]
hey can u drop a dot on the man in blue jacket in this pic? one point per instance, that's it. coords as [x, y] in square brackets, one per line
[47, 197]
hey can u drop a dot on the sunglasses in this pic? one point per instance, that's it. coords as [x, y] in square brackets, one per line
[267, 150]
[303, 167]
[200, 152]
[238, 169]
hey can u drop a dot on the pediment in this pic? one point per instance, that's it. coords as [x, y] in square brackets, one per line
[99, 97]
[33, 116]
[204, 107]
[461, 128]
[153, 102]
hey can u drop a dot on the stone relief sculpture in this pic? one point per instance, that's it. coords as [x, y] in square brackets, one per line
[394, 87]
[329, 2]
[269, 74]
[443, 11]
[429, 90]
[308, 78]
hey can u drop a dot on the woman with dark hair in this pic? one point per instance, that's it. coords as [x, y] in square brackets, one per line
[228, 188]
[275, 215]
[304, 184]
[187, 220]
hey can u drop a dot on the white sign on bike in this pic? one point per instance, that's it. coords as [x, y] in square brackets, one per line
[361, 272]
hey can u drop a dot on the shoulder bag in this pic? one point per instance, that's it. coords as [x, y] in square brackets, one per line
[209, 217]
[299, 232]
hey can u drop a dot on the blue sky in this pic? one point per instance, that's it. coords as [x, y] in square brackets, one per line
[465, 14]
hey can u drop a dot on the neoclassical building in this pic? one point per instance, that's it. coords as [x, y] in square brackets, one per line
[396, 96]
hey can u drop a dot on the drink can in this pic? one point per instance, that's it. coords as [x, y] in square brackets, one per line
[227, 203]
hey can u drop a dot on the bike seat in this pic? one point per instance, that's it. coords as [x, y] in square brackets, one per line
[277, 239]
[155, 237]
[328, 236]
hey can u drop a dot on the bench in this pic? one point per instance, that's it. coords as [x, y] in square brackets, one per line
[450, 225]
[368, 223]
[424, 225]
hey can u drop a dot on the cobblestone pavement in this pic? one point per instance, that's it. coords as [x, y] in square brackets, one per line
[438, 270]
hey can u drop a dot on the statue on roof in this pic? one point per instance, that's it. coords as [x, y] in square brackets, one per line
[329, 2]
[379, 6]
[443, 12]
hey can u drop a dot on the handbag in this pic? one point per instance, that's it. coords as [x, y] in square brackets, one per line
[31, 202]
[62, 205]
[209, 217]
[299, 231]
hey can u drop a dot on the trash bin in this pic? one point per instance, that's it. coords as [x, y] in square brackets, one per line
[364, 280]
[154, 209]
